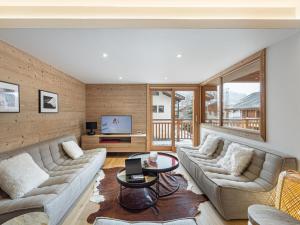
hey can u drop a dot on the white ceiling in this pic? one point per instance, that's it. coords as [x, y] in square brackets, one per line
[142, 55]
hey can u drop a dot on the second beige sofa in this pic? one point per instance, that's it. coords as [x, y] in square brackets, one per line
[68, 180]
[232, 195]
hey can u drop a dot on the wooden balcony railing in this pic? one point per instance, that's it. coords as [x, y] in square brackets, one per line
[245, 123]
[161, 129]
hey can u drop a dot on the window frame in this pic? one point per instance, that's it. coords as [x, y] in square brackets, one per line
[203, 106]
[256, 135]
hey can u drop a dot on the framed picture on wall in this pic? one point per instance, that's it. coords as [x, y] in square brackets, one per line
[9, 97]
[48, 102]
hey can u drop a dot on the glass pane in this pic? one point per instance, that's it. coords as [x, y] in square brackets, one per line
[184, 117]
[241, 98]
[212, 102]
[161, 118]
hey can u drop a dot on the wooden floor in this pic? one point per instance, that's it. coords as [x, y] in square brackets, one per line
[83, 208]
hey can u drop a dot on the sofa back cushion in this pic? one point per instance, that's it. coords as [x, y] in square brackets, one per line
[46, 154]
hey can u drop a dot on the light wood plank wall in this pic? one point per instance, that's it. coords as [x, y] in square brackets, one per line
[118, 99]
[29, 126]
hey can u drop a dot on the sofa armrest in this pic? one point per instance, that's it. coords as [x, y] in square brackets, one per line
[266, 215]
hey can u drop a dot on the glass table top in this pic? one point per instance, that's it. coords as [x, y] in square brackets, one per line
[164, 162]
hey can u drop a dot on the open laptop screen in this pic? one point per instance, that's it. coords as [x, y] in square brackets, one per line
[133, 166]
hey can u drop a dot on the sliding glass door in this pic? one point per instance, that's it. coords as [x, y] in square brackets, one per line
[173, 118]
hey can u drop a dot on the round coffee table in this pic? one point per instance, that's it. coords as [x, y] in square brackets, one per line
[142, 197]
[163, 167]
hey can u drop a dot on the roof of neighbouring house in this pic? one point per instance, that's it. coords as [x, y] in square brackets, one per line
[251, 101]
[208, 96]
[178, 97]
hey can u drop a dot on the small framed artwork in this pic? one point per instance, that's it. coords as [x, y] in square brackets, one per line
[9, 97]
[48, 102]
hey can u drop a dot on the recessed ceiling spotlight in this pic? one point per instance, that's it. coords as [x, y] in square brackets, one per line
[179, 56]
[120, 78]
[104, 55]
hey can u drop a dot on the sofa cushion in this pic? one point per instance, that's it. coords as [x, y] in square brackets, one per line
[72, 149]
[30, 203]
[20, 174]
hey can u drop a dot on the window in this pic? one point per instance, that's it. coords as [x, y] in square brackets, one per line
[241, 98]
[155, 93]
[161, 109]
[236, 98]
[211, 102]
[154, 108]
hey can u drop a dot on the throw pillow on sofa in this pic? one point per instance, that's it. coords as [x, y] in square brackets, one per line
[240, 159]
[210, 145]
[20, 174]
[225, 161]
[236, 159]
[72, 149]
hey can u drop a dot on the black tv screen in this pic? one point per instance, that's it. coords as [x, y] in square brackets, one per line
[116, 125]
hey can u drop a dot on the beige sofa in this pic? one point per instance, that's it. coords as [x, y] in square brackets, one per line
[233, 195]
[68, 179]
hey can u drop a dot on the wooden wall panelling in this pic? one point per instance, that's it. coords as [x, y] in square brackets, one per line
[119, 99]
[29, 126]
[116, 99]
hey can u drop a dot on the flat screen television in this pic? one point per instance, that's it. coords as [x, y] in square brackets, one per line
[116, 124]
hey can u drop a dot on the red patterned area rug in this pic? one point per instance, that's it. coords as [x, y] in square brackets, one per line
[183, 203]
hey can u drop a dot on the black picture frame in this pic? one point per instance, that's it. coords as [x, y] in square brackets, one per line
[16, 87]
[42, 109]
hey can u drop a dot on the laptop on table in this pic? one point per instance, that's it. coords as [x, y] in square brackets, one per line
[134, 171]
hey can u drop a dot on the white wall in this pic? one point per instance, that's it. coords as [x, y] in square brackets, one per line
[283, 98]
[164, 100]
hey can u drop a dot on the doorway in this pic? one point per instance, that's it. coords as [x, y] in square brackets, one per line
[173, 117]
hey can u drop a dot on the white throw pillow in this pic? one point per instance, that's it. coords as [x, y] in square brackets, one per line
[210, 145]
[240, 160]
[20, 174]
[236, 159]
[72, 149]
[225, 161]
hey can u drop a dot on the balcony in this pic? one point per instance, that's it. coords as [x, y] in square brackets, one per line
[161, 130]
[245, 123]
